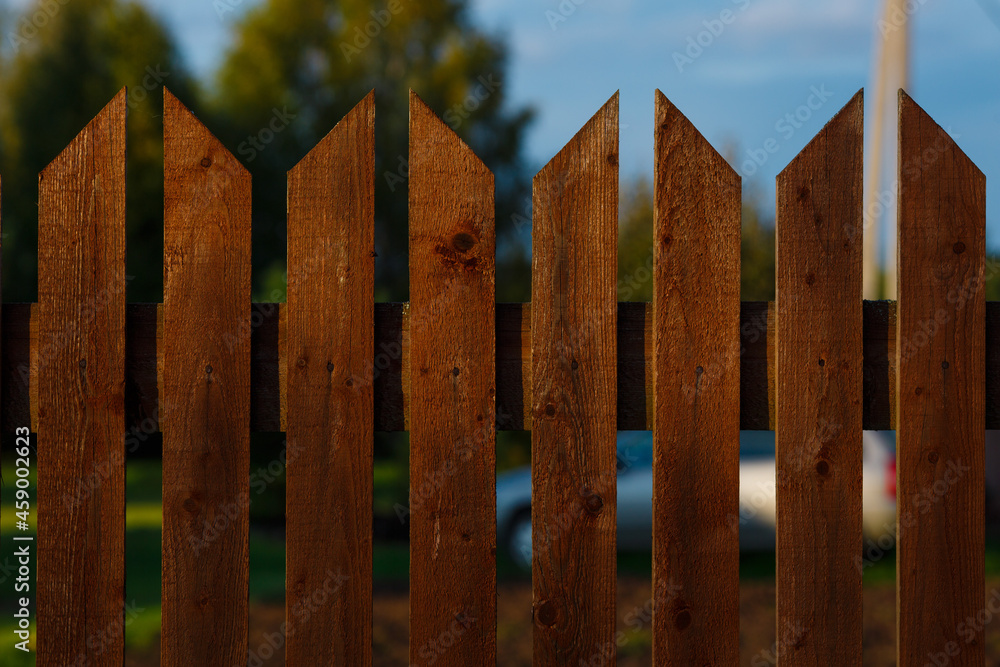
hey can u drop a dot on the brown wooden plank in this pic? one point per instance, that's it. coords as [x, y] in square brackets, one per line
[696, 432]
[819, 398]
[81, 404]
[453, 388]
[330, 340]
[941, 361]
[80, 370]
[206, 388]
[573, 323]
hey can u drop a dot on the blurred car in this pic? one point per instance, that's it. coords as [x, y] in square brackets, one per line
[756, 518]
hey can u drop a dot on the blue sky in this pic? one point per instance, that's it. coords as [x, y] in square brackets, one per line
[761, 66]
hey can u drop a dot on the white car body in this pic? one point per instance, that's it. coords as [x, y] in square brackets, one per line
[756, 518]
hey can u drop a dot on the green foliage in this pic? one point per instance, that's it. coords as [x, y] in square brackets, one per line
[295, 66]
[635, 241]
[992, 277]
[756, 252]
[51, 86]
[311, 61]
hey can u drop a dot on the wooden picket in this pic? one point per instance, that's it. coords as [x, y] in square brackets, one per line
[206, 396]
[452, 391]
[696, 458]
[329, 338]
[573, 324]
[818, 436]
[81, 373]
[574, 366]
[940, 388]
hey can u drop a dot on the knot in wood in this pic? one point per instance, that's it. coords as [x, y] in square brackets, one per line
[593, 502]
[463, 241]
[546, 613]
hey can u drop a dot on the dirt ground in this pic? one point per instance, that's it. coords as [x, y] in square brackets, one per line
[757, 627]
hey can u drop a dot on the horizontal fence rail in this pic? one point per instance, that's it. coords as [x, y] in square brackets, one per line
[93, 376]
[389, 375]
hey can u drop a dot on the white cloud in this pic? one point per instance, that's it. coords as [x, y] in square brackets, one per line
[784, 17]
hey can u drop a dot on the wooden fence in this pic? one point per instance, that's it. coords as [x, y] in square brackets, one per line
[329, 367]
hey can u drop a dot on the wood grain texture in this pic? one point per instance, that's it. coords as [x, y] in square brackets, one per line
[696, 431]
[206, 392]
[573, 437]
[941, 381]
[330, 340]
[452, 395]
[819, 397]
[81, 413]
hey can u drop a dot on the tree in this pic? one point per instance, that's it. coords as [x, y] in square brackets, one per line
[62, 71]
[756, 250]
[297, 67]
[635, 241]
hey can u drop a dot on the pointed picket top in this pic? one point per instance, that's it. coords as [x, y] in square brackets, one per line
[427, 126]
[463, 185]
[601, 132]
[674, 131]
[842, 132]
[913, 117]
[848, 121]
[185, 138]
[114, 112]
[357, 121]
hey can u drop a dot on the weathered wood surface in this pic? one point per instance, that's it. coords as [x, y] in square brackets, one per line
[819, 397]
[696, 430]
[330, 340]
[941, 389]
[205, 396]
[81, 372]
[574, 381]
[452, 500]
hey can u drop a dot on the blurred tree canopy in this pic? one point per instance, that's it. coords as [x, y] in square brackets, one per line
[55, 77]
[298, 66]
[308, 62]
